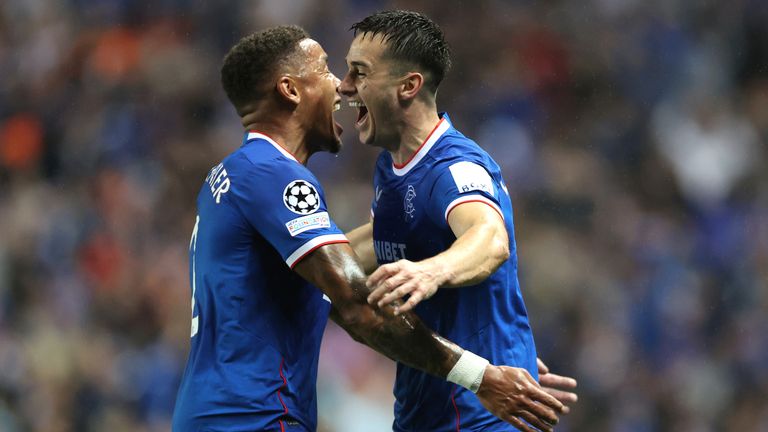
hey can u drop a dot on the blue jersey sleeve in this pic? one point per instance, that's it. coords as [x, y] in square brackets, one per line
[284, 202]
[458, 182]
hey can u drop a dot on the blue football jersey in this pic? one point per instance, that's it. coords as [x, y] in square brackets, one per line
[256, 325]
[410, 220]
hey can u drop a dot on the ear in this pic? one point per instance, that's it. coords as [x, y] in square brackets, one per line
[410, 85]
[286, 88]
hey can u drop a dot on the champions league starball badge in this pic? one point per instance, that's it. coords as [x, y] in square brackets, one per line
[301, 197]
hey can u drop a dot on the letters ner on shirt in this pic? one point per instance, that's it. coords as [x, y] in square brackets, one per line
[218, 181]
[389, 251]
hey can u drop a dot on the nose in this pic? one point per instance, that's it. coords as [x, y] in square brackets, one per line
[336, 81]
[346, 88]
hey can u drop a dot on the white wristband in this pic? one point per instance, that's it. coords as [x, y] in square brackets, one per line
[468, 371]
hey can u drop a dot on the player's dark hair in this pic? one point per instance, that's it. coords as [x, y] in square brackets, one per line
[250, 64]
[411, 38]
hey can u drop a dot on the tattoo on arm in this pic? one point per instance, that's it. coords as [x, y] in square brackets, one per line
[402, 337]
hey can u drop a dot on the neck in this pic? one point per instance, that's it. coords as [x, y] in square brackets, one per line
[285, 132]
[414, 132]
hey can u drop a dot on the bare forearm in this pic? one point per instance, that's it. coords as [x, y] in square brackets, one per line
[481, 246]
[507, 392]
[361, 240]
[471, 259]
[403, 338]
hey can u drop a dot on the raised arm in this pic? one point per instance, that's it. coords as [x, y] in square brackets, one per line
[481, 246]
[509, 393]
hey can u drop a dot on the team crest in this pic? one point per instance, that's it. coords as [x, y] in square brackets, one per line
[301, 197]
[410, 194]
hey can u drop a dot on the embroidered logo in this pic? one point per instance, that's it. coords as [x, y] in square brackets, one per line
[301, 197]
[410, 194]
[306, 223]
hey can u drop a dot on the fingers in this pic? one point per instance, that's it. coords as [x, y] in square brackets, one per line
[558, 386]
[541, 403]
[392, 282]
[566, 408]
[548, 401]
[398, 293]
[563, 396]
[416, 297]
[532, 422]
[513, 395]
[543, 369]
[547, 405]
[382, 273]
[559, 381]
[519, 424]
[529, 378]
[543, 413]
[536, 421]
[382, 281]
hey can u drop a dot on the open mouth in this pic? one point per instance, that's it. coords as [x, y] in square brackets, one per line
[336, 126]
[362, 112]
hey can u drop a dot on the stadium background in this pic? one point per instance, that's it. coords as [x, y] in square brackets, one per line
[632, 135]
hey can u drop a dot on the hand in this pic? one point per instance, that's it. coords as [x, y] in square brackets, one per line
[557, 386]
[512, 395]
[393, 281]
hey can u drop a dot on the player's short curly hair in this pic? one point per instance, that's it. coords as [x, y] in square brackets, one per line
[249, 65]
[411, 38]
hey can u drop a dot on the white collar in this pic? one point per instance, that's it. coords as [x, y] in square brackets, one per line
[258, 135]
[440, 129]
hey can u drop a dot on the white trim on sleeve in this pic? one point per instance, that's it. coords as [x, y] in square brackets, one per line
[472, 198]
[313, 244]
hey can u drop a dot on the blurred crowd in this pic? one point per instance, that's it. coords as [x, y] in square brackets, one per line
[632, 135]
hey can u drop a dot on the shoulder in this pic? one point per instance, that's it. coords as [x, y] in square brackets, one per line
[464, 165]
[265, 163]
[268, 178]
[460, 151]
[383, 167]
[457, 151]
[383, 160]
[455, 145]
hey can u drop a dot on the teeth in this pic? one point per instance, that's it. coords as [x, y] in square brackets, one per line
[336, 106]
[356, 104]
